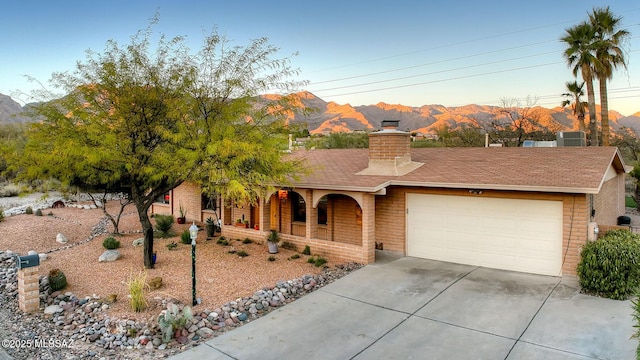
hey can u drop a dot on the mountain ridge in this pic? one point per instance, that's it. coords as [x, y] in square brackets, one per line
[329, 116]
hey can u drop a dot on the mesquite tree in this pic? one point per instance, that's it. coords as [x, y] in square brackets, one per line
[144, 118]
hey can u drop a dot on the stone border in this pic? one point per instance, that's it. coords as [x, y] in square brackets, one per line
[85, 320]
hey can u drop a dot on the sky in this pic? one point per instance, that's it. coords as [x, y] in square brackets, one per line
[413, 53]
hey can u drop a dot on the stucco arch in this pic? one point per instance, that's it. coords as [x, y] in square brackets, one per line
[318, 194]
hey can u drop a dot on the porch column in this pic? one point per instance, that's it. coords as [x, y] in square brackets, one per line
[262, 202]
[312, 217]
[369, 228]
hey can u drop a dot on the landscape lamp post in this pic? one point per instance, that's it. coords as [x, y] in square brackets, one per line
[193, 231]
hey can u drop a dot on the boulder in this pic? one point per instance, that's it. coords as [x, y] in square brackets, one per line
[52, 309]
[204, 332]
[138, 242]
[61, 239]
[155, 283]
[109, 255]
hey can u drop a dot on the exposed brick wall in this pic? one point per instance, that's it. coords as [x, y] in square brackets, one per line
[346, 220]
[353, 231]
[391, 218]
[187, 194]
[389, 145]
[609, 203]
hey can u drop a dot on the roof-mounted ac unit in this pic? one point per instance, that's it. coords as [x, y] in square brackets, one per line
[571, 138]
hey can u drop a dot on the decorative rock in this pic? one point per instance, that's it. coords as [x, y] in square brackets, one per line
[193, 328]
[31, 252]
[61, 239]
[52, 309]
[155, 283]
[138, 242]
[109, 255]
[242, 317]
[204, 332]
[42, 257]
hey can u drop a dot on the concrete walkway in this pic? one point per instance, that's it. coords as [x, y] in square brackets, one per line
[408, 308]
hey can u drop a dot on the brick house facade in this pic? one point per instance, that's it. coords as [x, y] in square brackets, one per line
[356, 199]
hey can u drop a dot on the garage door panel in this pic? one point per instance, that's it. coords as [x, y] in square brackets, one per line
[513, 234]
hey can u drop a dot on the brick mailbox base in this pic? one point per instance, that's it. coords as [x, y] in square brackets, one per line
[28, 289]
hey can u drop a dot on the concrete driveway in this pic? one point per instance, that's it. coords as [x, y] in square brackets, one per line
[408, 308]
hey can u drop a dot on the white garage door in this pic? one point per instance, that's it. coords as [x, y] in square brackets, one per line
[511, 234]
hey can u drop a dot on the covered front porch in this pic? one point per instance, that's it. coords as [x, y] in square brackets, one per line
[332, 223]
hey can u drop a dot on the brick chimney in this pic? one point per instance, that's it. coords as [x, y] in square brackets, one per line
[389, 151]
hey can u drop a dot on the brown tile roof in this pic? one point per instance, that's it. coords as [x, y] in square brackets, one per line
[557, 169]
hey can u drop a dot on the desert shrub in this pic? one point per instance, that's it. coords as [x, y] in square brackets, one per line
[110, 243]
[222, 241]
[9, 190]
[28, 210]
[164, 223]
[271, 258]
[232, 251]
[57, 280]
[307, 250]
[137, 286]
[50, 213]
[1, 214]
[247, 241]
[294, 256]
[610, 266]
[172, 245]
[185, 237]
[242, 253]
[38, 212]
[317, 261]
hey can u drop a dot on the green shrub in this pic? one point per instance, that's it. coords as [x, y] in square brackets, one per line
[172, 245]
[185, 237]
[271, 258]
[38, 212]
[1, 214]
[317, 261]
[307, 250]
[294, 256]
[28, 210]
[610, 266]
[50, 213]
[242, 253]
[110, 243]
[222, 241]
[247, 241]
[164, 223]
[137, 286]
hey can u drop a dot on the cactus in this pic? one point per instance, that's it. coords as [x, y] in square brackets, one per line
[173, 319]
[57, 280]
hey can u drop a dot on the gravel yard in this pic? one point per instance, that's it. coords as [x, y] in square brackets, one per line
[221, 276]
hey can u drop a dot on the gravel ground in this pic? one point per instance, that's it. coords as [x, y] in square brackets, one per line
[221, 276]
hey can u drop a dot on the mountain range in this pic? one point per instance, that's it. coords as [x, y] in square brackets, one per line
[325, 117]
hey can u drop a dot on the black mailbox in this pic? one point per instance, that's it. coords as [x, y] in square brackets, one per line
[28, 261]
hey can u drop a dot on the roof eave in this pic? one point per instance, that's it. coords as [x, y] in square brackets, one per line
[500, 187]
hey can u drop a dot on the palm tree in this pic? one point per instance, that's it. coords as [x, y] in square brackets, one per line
[574, 92]
[609, 55]
[580, 57]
